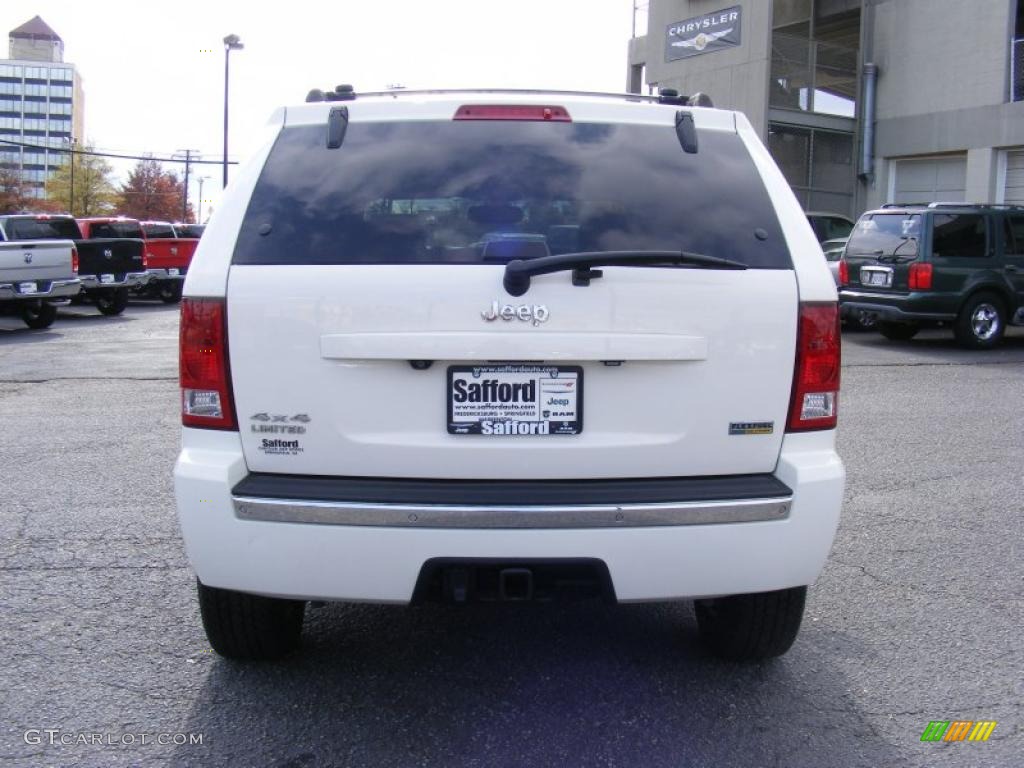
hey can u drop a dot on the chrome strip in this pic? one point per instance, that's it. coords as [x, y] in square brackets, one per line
[131, 280]
[57, 289]
[532, 516]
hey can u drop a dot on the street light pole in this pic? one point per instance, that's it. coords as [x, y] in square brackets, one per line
[231, 43]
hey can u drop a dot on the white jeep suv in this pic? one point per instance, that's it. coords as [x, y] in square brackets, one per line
[508, 345]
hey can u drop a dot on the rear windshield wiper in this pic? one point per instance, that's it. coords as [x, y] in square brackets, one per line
[518, 272]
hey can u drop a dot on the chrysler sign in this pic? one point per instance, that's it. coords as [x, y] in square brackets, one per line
[703, 34]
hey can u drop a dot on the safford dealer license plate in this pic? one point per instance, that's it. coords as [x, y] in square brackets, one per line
[515, 399]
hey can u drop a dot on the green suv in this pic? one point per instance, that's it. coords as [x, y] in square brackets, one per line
[918, 265]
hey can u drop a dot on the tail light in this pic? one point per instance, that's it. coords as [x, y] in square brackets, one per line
[844, 273]
[204, 372]
[74, 260]
[920, 277]
[816, 375]
[145, 259]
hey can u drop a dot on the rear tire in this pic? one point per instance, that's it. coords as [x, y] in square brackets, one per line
[250, 627]
[170, 291]
[862, 321]
[981, 323]
[113, 301]
[751, 627]
[38, 314]
[898, 331]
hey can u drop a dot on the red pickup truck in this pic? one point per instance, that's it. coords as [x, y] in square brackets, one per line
[167, 255]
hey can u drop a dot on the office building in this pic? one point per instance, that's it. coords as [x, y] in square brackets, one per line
[41, 104]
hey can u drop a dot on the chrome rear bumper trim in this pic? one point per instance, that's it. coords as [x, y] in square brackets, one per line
[455, 516]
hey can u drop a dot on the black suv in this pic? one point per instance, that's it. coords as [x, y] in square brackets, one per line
[917, 265]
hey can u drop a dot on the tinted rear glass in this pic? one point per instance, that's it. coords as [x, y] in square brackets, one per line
[158, 231]
[885, 234]
[189, 230]
[42, 229]
[116, 229]
[468, 192]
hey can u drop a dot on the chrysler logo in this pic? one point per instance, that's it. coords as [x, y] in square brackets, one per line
[535, 313]
[700, 42]
[28, 258]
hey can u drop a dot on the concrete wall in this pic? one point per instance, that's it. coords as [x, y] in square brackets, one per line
[35, 50]
[942, 88]
[78, 108]
[734, 78]
[935, 55]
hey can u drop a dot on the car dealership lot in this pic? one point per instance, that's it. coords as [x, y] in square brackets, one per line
[916, 617]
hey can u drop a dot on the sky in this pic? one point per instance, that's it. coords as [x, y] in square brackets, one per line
[153, 73]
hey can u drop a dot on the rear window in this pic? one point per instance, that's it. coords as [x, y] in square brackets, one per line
[116, 229]
[189, 230]
[472, 192]
[885, 234]
[42, 229]
[158, 231]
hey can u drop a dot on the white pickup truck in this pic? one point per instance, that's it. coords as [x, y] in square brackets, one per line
[33, 274]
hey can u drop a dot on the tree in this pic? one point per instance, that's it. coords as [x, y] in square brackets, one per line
[14, 192]
[153, 193]
[94, 191]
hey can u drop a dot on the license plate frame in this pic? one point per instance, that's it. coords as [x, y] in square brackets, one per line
[173, 272]
[518, 416]
[876, 277]
[106, 279]
[29, 286]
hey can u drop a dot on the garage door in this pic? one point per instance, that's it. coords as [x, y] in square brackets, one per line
[927, 181]
[1013, 192]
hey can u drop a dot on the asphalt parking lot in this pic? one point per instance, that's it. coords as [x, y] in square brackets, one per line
[917, 616]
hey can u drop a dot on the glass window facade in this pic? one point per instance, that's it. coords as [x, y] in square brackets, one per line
[36, 105]
[819, 166]
[814, 59]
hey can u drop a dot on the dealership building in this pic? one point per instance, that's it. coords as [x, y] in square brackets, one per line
[41, 104]
[861, 102]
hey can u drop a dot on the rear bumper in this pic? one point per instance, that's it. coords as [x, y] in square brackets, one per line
[129, 280]
[176, 274]
[896, 308]
[662, 551]
[46, 289]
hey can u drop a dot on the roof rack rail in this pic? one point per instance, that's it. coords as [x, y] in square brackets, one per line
[349, 94]
[996, 206]
[904, 205]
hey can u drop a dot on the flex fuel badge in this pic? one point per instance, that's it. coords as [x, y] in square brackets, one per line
[751, 427]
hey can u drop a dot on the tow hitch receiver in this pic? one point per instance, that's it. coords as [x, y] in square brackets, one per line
[515, 584]
[464, 580]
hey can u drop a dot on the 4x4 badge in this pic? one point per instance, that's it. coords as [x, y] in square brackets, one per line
[535, 313]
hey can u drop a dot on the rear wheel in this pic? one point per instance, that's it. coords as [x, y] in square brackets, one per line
[898, 331]
[251, 627]
[38, 314]
[112, 302]
[862, 321]
[981, 322]
[170, 291]
[751, 627]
